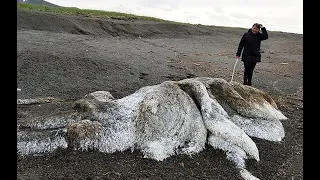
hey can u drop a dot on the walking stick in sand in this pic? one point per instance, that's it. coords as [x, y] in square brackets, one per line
[234, 67]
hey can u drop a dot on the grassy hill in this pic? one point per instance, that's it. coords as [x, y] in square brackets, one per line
[84, 12]
[38, 2]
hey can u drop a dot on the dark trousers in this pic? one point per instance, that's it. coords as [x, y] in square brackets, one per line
[248, 71]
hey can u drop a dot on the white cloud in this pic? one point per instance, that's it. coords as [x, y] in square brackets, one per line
[218, 10]
[275, 15]
[240, 15]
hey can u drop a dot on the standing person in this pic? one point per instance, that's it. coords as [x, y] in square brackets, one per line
[250, 43]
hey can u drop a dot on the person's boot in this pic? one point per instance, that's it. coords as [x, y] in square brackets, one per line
[245, 81]
[249, 81]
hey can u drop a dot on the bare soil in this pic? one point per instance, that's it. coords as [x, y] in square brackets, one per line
[68, 57]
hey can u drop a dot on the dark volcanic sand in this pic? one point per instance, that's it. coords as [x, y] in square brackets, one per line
[69, 56]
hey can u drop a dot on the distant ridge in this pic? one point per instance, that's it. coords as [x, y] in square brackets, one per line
[38, 2]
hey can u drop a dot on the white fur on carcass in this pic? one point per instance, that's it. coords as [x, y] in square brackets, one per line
[174, 117]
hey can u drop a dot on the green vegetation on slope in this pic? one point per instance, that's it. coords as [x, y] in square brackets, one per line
[86, 12]
[38, 2]
[104, 14]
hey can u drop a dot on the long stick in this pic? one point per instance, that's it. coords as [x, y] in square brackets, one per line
[234, 67]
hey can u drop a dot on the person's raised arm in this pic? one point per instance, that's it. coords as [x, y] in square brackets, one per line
[264, 32]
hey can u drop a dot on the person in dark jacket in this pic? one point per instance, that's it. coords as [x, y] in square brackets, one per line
[250, 44]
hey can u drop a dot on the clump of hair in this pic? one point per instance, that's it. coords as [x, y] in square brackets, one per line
[257, 25]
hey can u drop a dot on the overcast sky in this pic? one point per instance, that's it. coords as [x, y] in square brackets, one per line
[275, 15]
